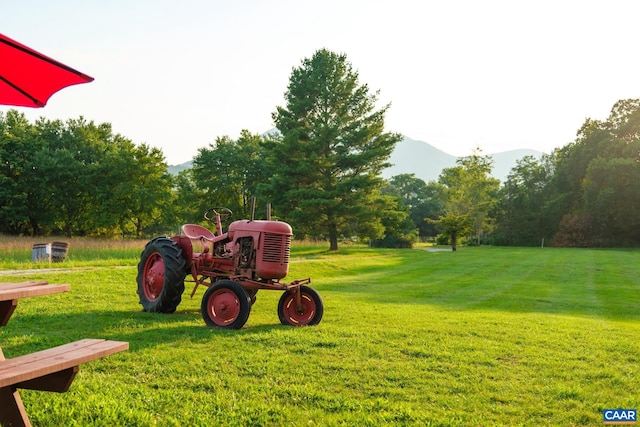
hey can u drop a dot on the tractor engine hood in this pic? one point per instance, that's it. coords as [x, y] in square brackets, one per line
[271, 242]
[264, 226]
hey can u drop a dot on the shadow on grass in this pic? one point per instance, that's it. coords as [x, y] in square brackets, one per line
[33, 332]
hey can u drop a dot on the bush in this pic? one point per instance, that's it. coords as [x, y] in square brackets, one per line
[396, 242]
[574, 232]
[442, 239]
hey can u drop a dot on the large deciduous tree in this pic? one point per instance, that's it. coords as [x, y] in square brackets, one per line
[70, 167]
[469, 195]
[420, 198]
[521, 219]
[139, 196]
[23, 202]
[612, 200]
[228, 173]
[594, 181]
[332, 149]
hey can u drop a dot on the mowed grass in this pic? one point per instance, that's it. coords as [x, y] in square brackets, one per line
[480, 337]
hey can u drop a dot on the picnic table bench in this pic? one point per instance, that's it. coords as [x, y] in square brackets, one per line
[53, 369]
[10, 293]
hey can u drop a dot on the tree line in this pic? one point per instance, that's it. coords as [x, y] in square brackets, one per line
[79, 178]
[321, 172]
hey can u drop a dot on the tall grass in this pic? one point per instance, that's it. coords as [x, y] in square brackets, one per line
[480, 337]
[15, 253]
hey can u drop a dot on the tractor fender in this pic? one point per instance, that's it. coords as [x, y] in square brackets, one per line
[184, 243]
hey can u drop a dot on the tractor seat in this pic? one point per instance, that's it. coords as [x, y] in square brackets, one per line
[197, 232]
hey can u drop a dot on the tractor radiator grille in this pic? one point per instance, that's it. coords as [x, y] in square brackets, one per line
[276, 248]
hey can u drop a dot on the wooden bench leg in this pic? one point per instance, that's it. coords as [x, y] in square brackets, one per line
[13, 413]
[58, 382]
[6, 310]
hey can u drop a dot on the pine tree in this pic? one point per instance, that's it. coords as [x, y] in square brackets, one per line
[331, 150]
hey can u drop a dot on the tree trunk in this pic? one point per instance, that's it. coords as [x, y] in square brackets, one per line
[138, 223]
[35, 228]
[333, 237]
[454, 241]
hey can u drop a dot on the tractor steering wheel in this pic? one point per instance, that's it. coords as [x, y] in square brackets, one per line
[223, 212]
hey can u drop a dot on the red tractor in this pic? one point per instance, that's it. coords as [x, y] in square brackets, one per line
[234, 266]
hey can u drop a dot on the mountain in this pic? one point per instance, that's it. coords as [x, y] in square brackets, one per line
[426, 161]
[176, 169]
[504, 161]
[417, 157]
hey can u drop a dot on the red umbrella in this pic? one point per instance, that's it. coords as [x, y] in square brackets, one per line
[29, 78]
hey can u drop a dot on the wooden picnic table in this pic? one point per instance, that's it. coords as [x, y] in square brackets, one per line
[10, 293]
[53, 369]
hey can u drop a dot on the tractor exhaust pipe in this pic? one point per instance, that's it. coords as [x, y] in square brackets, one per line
[253, 208]
[268, 211]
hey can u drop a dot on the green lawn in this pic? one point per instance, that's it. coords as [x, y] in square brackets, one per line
[479, 337]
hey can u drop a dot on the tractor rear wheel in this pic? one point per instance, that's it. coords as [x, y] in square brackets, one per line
[309, 312]
[226, 304]
[161, 273]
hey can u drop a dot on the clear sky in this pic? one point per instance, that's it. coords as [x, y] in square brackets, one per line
[459, 74]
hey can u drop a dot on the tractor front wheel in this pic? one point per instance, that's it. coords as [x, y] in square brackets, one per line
[161, 273]
[309, 312]
[226, 304]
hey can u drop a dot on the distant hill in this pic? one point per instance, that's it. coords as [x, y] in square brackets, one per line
[426, 161]
[176, 169]
[418, 157]
[504, 161]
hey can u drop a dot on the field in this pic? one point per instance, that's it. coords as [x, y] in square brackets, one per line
[480, 337]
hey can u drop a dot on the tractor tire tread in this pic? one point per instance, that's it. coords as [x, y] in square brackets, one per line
[175, 273]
